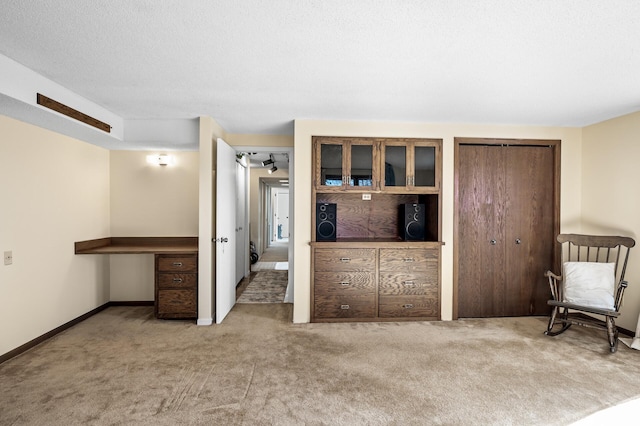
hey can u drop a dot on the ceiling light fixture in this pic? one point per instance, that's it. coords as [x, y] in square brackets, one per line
[269, 161]
[273, 169]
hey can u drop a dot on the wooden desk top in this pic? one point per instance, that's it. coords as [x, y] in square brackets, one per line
[138, 245]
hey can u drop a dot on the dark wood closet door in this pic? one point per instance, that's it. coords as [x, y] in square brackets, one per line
[529, 233]
[481, 269]
[505, 229]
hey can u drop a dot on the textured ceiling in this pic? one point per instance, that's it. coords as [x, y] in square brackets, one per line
[256, 65]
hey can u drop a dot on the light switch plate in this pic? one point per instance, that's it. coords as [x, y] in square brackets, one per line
[8, 257]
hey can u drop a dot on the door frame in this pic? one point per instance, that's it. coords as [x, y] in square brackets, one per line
[554, 144]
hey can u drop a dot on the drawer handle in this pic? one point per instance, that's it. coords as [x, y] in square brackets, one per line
[408, 306]
[177, 263]
[177, 280]
[344, 307]
[345, 259]
[408, 259]
[345, 283]
[409, 283]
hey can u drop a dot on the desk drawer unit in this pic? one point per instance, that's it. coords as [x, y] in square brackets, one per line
[176, 286]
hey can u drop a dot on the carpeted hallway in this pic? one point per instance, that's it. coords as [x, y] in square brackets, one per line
[122, 366]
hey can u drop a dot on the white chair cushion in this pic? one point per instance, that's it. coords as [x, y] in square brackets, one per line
[589, 284]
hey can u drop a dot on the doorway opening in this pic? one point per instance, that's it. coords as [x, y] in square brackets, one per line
[269, 223]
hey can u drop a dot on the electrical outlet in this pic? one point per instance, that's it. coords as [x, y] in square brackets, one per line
[8, 257]
[366, 196]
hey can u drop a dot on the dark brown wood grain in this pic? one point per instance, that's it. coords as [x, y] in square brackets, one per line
[505, 193]
[72, 113]
[176, 286]
[408, 306]
[138, 245]
[177, 280]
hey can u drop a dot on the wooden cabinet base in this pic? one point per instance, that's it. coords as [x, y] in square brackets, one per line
[376, 281]
[176, 286]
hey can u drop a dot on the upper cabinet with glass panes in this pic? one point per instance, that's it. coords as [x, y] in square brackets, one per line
[377, 164]
[346, 164]
[410, 165]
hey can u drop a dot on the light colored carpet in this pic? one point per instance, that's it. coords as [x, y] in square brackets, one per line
[265, 287]
[122, 366]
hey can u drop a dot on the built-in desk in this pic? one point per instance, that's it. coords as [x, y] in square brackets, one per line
[138, 245]
[176, 269]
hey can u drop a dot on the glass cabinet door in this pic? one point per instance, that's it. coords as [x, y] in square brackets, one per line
[394, 166]
[361, 174]
[424, 164]
[331, 165]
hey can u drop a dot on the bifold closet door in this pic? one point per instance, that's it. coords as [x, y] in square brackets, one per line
[505, 229]
[529, 235]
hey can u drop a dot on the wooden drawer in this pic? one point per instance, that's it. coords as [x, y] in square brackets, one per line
[177, 303]
[327, 283]
[177, 263]
[345, 307]
[407, 260]
[408, 306]
[167, 280]
[399, 284]
[345, 260]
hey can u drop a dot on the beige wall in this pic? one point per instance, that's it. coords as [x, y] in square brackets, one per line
[148, 200]
[55, 191]
[610, 201]
[305, 129]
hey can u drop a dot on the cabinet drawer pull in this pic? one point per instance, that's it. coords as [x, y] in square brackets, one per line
[408, 306]
[345, 283]
[408, 259]
[345, 259]
[344, 307]
[177, 280]
[177, 263]
[409, 283]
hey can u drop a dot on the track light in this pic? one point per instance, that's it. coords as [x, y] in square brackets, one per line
[272, 169]
[269, 161]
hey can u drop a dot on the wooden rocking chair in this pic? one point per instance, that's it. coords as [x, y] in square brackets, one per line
[592, 282]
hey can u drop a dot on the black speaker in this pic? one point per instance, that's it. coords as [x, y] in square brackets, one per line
[325, 222]
[412, 222]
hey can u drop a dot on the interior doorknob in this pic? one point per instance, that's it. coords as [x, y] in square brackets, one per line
[493, 242]
[518, 241]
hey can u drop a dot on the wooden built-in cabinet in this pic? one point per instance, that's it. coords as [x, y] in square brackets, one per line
[369, 273]
[176, 286]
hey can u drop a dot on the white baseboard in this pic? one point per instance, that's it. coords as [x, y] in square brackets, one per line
[205, 321]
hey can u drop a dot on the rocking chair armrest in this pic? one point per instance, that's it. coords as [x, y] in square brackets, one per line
[618, 302]
[553, 285]
[550, 274]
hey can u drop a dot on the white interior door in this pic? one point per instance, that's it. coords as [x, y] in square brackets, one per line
[282, 218]
[226, 189]
[242, 243]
